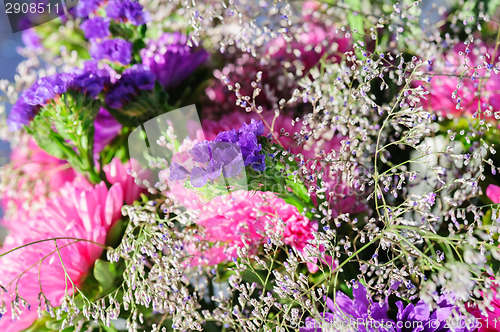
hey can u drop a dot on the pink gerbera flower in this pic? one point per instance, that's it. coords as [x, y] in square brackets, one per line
[78, 217]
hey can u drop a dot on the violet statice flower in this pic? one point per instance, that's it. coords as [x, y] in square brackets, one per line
[354, 312]
[85, 7]
[228, 154]
[424, 320]
[246, 139]
[96, 27]
[89, 83]
[90, 80]
[171, 59]
[35, 96]
[47, 88]
[127, 11]
[20, 115]
[115, 50]
[133, 80]
[217, 158]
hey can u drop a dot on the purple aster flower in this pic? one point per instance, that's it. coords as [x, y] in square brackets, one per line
[116, 50]
[127, 10]
[96, 27]
[106, 128]
[419, 318]
[345, 309]
[85, 7]
[171, 59]
[133, 80]
[227, 155]
[21, 114]
[246, 139]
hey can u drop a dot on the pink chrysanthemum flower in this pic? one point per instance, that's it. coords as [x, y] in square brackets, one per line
[32, 176]
[465, 83]
[246, 217]
[80, 215]
[487, 320]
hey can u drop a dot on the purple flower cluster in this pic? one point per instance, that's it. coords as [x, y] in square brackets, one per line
[127, 11]
[86, 7]
[133, 80]
[246, 139]
[216, 157]
[418, 317]
[171, 59]
[115, 50]
[90, 80]
[359, 309]
[362, 314]
[227, 155]
[96, 27]
[120, 10]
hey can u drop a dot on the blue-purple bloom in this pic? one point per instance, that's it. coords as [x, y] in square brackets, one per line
[171, 59]
[85, 7]
[133, 80]
[127, 10]
[96, 27]
[419, 318]
[246, 139]
[351, 311]
[116, 50]
[21, 114]
[228, 154]
[47, 88]
[89, 80]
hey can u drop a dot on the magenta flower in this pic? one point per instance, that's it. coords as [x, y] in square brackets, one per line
[106, 128]
[243, 217]
[493, 193]
[488, 320]
[79, 211]
[443, 95]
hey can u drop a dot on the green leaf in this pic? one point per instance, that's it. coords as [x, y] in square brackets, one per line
[105, 273]
[40, 325]
[356, 22]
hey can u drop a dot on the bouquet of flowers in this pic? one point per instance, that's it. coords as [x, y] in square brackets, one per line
[243, 165]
